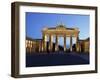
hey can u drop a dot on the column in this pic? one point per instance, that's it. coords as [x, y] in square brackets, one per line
[44, 43]
[56, 45]
[77, 47]
[70, 43]
[64, 42]
[39, 46]
[42, 46]
[50, 43]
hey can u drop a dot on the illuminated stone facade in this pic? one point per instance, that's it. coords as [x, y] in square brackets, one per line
[84, 45]
[33, 45]
[59, 31]
[40, 45]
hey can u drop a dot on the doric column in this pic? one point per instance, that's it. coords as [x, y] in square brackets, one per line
[77, 47]
[50, 43]
[70, 43]
[42, 46]
[56, 45]
[44, 43]
[39, 46]
[64, 42]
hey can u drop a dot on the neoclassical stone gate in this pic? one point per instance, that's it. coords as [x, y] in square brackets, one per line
[62, 31]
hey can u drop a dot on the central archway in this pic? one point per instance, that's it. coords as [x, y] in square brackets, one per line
[59, 31]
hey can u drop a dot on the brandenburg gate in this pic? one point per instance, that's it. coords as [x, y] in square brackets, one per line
[62, 31]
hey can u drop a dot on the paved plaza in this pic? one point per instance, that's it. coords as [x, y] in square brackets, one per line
[56, 58]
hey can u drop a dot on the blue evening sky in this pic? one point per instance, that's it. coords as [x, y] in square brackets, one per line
[35, 22]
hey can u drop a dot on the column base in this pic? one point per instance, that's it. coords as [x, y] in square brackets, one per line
[64, 49]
